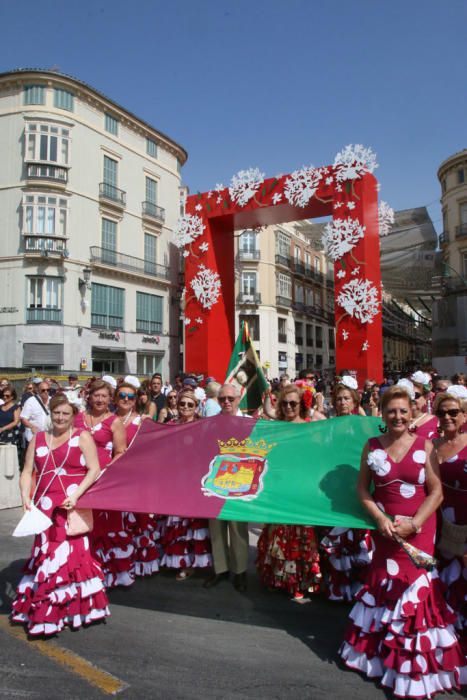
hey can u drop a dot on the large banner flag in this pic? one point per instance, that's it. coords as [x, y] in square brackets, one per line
[244, 469]
[245, 371]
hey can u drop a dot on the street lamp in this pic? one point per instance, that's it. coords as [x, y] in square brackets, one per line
[85, 282]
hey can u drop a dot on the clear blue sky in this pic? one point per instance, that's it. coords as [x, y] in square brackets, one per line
[274, 83]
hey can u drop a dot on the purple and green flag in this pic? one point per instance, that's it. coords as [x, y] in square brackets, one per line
[245, 371]
[244, 469]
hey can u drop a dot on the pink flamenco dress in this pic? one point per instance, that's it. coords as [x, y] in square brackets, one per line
[288, 559]
[62, 583]
[401, 628]
[112, 543]
[143, 526]
[452, 567]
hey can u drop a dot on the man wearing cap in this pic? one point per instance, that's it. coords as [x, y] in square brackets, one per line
[229, 539]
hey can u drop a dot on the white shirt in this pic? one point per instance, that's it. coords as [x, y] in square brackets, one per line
[35, 414]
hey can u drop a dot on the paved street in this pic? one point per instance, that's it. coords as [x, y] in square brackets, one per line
[178, 640]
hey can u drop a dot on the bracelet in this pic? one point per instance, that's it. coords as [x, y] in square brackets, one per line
[416, 529]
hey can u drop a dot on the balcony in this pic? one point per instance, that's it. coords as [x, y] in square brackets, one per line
[253, 298]
[461, 231]
[127, 263]
[110, 193]
[444, 238]
[299, 268]
[284, 302]
[283, 260]
[44, 316]
[248, 255]
[150, 210]
[53, 174]
[298, 306]
[45, 245]
[282, 337]
[329, 283]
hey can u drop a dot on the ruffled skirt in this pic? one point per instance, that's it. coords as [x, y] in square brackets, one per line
[185, 542]
[113, 547]
[347, 554]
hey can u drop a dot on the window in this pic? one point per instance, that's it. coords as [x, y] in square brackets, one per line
[460, 176]
[179, 167]
[34, 95]
[148, 313]
[151, 148]
[110, 171]
[463, 214]
[317, 265]
[464, 265]
[319, 361]
[308, 296]
[47, 143]
[309, 335]
[63, 99]
[44, 215]
[44, 300]
[150, 253]
[308, 260]
[253, 325]
[282, 244]
[107, 304]
[310, 360]
[331, 338]
[282, 329]
[148, 364]
[248, 242]
[284, 286]
[248, 283]
[151, 190]
[297, 254]
[299, 293]
[111, 124]
[109, 241]
[319, 337]
[299, 333]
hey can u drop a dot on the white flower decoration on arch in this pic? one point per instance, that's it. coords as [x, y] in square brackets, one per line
[244, 184]
[187, 229]
[340, 236]
[206, 285]
[353, 161]
[359, 298]
[385, 218]
[301, 185]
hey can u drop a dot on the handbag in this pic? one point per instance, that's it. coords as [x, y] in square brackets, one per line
[453, 538]
[79, 521]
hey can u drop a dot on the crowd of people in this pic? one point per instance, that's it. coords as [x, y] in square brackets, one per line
[407, 577]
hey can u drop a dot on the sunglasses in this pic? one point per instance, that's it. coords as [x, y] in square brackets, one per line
[417, 395]
[7, 396]
[452, 412]
[173, 396]
[292, 404]
[230, 399]
[123, 395]
[186, 404]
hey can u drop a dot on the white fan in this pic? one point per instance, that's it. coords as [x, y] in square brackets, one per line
[33, 522]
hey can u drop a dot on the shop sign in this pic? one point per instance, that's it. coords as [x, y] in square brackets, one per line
[151, 339]
[105, 335]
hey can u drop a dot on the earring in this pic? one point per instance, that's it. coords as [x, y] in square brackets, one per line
[413, 429]
[383, 428]
[439, 431]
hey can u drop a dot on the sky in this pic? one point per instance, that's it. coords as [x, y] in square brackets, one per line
[274, 84]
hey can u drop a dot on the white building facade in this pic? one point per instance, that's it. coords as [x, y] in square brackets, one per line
[89, 195]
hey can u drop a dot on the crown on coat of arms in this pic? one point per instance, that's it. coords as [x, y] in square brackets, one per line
[247, 446]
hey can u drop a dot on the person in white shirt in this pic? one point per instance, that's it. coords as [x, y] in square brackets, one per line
[35, 415]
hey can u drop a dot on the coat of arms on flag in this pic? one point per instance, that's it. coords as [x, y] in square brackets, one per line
[238, 470]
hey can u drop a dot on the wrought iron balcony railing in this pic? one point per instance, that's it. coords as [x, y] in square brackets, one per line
[43, 316]
[151, 210]
[249, 255]
[461, 231]
[128, 262]
[112, 194]
[282, 337]
[299, 268]
[34, 243]
[283, 260]
[251, 298]
[283, 301]
[52, 173]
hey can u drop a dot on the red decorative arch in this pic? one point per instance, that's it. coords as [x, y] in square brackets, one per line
[348, 193]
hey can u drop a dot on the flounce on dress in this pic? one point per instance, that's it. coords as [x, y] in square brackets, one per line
[288, 558]
[401, 628]
[142, 526]
[111, 541]
[453, 571]
[62, 582]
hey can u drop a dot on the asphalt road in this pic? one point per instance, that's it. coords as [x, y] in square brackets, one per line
[174, 640]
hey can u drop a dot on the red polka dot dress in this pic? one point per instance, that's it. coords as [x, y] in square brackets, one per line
[143, 526]
[112, 543]
[453, 571]
[401, 629]
[62, 582]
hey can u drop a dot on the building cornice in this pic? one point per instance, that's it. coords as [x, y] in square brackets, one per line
[23, 76]
[453, 161]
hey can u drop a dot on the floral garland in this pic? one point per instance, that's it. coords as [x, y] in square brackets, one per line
[359, 298]
[301, 186]
[340, 236]
[244, 185]
[386, 218]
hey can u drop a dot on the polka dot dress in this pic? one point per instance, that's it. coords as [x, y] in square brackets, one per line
[401, 628]
[62, 582]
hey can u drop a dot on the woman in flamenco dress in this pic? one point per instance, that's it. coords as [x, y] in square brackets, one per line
[288, 557]
[451, 448]
[346, 552]
[401, 629]
[62, 582]
[186, 542]
[112, 544]
[425, 423]
[142, 527]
